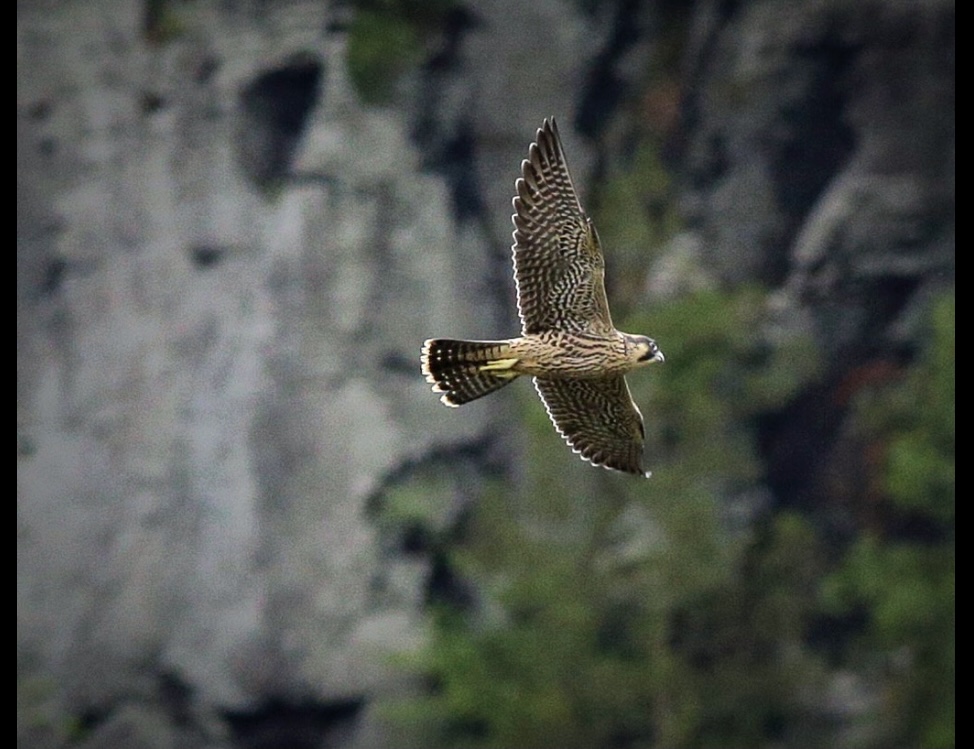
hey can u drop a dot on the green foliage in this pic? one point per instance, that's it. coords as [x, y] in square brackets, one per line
[613, 612]
[921, 452]
[582, 646]
[626, 614]
[906, 586]
[387, 38]
[623, 613]
[551, 666]
[743, 644]
[634, 208]
[380, 48]
[40, 720]
[719, 373]
[635, 215]
[163, 21]
[423, 501]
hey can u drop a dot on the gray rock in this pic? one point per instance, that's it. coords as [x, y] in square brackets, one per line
[222, 290]
[222, 293]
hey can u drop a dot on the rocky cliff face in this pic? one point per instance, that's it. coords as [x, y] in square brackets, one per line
[227, 263]
[819, 161]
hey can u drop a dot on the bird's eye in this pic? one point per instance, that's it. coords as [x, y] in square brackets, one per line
[648, 349]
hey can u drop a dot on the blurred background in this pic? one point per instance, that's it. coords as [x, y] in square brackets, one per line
[245, 522]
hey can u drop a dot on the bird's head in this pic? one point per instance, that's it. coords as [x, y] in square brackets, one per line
[643, 350]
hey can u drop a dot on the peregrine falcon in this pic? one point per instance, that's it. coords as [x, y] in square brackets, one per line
[568, 342]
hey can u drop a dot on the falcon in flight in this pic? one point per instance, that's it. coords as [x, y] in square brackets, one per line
[568, 342]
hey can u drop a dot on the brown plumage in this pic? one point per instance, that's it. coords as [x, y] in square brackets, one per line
[568, 342]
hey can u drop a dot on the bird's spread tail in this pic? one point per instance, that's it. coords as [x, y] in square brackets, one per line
[466, 370]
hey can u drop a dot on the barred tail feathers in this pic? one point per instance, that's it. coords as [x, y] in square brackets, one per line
[466, 370]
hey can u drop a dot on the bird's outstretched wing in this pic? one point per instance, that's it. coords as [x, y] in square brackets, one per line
[558, 265]
[598, 418]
